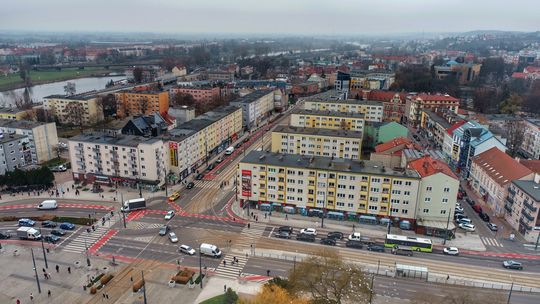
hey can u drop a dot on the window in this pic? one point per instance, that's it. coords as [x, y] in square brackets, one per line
[443, 211]
[405, 202]
[397, 182]
[425, 210]
[429, 188]
[408, 183]
[446, 189]
[445, 200]
[427, 199]
[404, 211]
[373, 208]
[407, 192]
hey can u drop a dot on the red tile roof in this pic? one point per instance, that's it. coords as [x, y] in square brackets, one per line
[427, 166]
[385, 95]
[392, 144]
[435, 97]
[531, 69]
[519, 75]
[455, 126]
[500, 167]
[531, 164]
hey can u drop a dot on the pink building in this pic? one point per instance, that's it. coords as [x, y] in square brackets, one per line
[200, 94]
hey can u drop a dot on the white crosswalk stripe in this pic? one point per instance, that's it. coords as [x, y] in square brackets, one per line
[491, 242]
[230, 269]
[85, 240]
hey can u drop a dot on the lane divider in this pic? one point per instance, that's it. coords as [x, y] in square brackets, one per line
[102, 241]
[33, 206]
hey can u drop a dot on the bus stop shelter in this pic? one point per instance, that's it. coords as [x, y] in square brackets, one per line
[410, 271]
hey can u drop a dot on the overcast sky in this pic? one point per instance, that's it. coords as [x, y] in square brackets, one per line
[332, 17]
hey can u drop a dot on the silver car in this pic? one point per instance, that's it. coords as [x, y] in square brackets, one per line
[173, 238]
[186, 249]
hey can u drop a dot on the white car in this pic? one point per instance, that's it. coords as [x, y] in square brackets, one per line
[355, 236]
[186, 249]
[467, 227]
[169, 215]
[451, 251]
[173, 238]
[459, 209]
[311, 231]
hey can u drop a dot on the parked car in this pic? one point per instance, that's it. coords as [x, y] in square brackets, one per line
[58, 232]
[4, 235]
[60, 168]
[190, 185]
[451, 251]
[356, 236]
[163, 230]
[245, 140]
[477, 209]
[282, 235]
[460, 209]
[172, 237]
[199, 176]
[492, 227]
[311, 231]
[219, 160]
[511, 264]
[470, 201]
[287, 229]
[25, 222]
[354, 244]
[67, 226]
[186, 249]
[169, 215]
[459, 217]
[484, 217]
[464, 220]
[305, 237]
[328, 241]
[49, 224]
[238, 145]
[51, 238]
[375, 247]
[210, 167]
[336, 235]
[467, 227]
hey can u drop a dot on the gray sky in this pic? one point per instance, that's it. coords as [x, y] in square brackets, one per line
[270, 16]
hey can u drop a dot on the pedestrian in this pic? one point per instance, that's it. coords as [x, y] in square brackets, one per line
[224, 263]
[31, 297]
[57, 268]
[267, 273]
[286, 217]
[248, 225]
[49, 293]
[44, 270]
[265, 215]
[257, 219]
[103, 294]
[18, 301]
[69, 269]
[224, 288]
[131, 279]
[107, 296]
[448, 277]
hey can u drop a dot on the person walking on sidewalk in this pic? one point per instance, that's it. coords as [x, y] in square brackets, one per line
[57, 268]
[69, 269]
[49, 293]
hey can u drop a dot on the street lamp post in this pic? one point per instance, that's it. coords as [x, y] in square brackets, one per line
[510, 293]
[87, 257]
[537, 241]
[200, 265]
[44, 254]
[447, 224]
[144, 287]
[35, 270]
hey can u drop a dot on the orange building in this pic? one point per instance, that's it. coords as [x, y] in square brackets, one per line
[131, 103]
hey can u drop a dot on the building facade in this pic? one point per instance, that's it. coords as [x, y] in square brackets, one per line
[522, 207]
[372, 110]
[415, 103]
[131, 103]
[14, 152]
[42, 138]
[200, 94]
[79, 110]
[318, 142]
[531, 138]
[327, 120]
[12, 113]
[256, 107]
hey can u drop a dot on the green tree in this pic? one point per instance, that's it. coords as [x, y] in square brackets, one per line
[230, 297]
[512, 104]
[138, 74]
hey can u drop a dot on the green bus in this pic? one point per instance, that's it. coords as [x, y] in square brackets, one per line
[418, 244]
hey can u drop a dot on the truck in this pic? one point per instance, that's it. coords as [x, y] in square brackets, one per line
[134, 204]
[28, 233]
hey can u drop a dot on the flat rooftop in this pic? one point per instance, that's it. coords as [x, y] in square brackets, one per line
[318, 131]
[20, 124]
[118, 140]
[5, 138]
[251, 97]
[327, 113]
[347, 101]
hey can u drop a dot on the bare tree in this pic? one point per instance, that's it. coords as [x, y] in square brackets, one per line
[460, 296]
[70, 89]
[515, 131]
[109, 105]
[74, 114]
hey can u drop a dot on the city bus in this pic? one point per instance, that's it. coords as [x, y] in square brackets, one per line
[418, 244]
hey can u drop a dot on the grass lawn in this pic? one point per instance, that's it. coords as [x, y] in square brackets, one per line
[215, 300]
[49, 76]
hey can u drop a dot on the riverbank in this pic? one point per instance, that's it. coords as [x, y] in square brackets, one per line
[14, 81]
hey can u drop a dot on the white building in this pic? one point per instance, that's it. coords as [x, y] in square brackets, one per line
[42, 138]
[256, 107]
[372, 110]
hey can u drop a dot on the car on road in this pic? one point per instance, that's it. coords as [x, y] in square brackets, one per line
[169, 215]
[354, 244]
[4, 235]
[484, 216]
[163, 230]
[511, 264]
[49, 224]
[305, 237]
[355, 236]
[219, 160]
[25, 222]
[238, 145]
[210, 167]
[328, 241]
[492, 227]
[174, 196]
[51, 238]
[467, 227]
[190, 185]
[459, 209]
[58, 232]
[186, 249]
[199, 176]
[451, 251]
[282, 235]
[402, 250]
[67, 226]
[336, 235]
[172, 237]
[245, 140]
[311, 231]
[375, 247]
[60, 168]
[287, 229]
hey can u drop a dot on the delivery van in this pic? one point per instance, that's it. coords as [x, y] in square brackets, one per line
[48, 204]
[210, 250]
[229, 150]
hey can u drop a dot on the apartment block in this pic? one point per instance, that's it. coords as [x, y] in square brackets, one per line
[372, 110]
[14, 152]
[327, 120]
[200, 94]
[531, 138]
[123, 159]
[42, 138]
[416, 103]
[319, 142]
[82, 109]
[256, 107]
[132, 102]
[522, 207]
[12, 113]
[394, 103]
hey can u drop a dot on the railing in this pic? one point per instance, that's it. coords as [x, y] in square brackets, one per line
[524, 224]
[527, 215]
[530, 206]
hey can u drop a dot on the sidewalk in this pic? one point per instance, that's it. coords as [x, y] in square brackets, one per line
[214, 287]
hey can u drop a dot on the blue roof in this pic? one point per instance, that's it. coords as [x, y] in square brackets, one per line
[452, 62]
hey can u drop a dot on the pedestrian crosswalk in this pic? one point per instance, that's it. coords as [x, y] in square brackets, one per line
[248, 239]
[85, 240]
[491, 242]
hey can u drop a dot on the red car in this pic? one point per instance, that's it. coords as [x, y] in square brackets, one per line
[477, 208]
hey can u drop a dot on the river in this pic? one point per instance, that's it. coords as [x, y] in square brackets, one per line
[37, 92]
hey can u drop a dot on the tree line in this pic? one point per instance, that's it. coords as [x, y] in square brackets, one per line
[35, 177]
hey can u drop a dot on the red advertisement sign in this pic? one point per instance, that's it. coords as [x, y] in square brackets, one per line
[246, 183]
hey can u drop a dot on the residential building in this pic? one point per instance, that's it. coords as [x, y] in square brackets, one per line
[408, 154]
[80, 110]
[320, 142]
[205, 94]
[14, 152]
[435, 126]
[522, 207]
[225, 76]
[375, 79]
[182, 113]
[133, 102]
[256, 107]
[372, 110]
[464, 72]
[327, 120]
[12, 113]
[415, 103]
[448, 139]
[148, 125]
[338, 187]
[123, 160]
[389, 153]
[393, 102]
[437, 196]
[305, 88]
[42, 138]
[342, 81]
[376, 133]
[531, 138]
[491, 173]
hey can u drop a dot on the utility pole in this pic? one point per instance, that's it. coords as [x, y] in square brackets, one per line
[140, 188]
[123, 212]
[447, 224]
[87, 257]
[510, 293]
[537, 240]
[144, 287]
[44, 254]
[200, 265]
[371, 289]
[35, 270]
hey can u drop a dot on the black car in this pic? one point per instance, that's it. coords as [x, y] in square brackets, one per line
[336, 235]
[51, 238]
[484, 217]
[163, 230]
[49, 224]
[246, 140]
[58, 232]
[4, 235]
[199, 176]
[470, 201]
[375, 247]
[210, 167]
[305, 237]
[190, 185]
[287, 229]
[282, 235]
[328, 241]
[354, 244]
[238, 145]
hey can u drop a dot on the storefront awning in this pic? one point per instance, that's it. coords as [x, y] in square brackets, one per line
[436, 224]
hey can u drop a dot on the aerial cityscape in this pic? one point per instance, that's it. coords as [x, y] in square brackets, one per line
[270, 152]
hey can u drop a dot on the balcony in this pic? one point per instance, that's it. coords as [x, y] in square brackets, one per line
[524, 224]
[511, 191]
[527, 216]
[508, 208]
[530, 206]
[509, 200]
